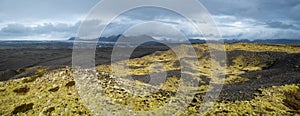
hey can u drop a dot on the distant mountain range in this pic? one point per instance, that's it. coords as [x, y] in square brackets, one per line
[122, 38]
[151, 40]
[267, 41]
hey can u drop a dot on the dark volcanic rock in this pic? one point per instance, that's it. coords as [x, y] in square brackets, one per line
[6, 75]
[14, 59]
[284, 71]
[21, 90]
[23, 108]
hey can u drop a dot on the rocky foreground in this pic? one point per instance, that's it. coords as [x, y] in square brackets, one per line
[260, 80]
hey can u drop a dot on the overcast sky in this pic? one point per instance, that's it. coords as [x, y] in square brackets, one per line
[236, 19]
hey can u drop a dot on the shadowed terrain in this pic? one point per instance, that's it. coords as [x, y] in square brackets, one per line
[13, 61]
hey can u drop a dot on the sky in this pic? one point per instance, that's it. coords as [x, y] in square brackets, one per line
[235, 19]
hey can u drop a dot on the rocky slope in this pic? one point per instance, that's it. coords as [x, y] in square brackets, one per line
[260, 80]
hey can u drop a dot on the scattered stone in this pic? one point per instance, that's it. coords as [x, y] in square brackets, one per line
[23, 108]
[2, 89]
[293, 100]
[55, 89]
[49, 110]
[70, 84]
[136, 67]
[176, 64]
[21, 90]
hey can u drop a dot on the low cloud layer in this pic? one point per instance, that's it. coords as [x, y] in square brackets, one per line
[44, 31]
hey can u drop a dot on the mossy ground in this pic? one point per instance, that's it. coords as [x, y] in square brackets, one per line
[49, 93]
[54, 92]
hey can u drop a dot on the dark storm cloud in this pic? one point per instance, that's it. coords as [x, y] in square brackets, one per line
[42, 9]
[269, 19]
[255, 9]
[281, 25]
[294, 13]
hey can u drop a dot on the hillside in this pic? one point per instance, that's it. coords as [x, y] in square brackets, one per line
[260, 80]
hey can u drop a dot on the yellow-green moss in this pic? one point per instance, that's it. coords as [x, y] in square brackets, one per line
[54, 93]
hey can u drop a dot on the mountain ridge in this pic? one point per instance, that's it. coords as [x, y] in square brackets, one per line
[142, 38]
